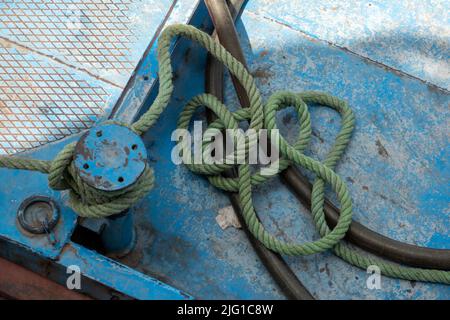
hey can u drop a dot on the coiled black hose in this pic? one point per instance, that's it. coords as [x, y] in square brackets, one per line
[412, 255]
[223, 18]
[358, 234]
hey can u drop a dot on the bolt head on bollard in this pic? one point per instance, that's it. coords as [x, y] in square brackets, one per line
[110, 157]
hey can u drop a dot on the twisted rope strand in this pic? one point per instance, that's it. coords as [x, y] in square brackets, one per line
[90, 202]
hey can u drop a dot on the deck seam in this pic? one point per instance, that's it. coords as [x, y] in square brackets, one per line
[21, 46]
[365, 58]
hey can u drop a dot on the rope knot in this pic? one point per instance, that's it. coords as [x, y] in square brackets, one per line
[64, 174]
[91, 192]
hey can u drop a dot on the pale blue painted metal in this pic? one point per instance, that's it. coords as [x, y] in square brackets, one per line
[65, 63]
[388, 179]
[118, 235]
[110, 157]
[396, 165]
[409, 35]
[117, 276]
[47, 93]
[144, 78]
[23, 184]
[42, 100]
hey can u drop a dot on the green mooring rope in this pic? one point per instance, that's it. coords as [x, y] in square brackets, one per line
[89, 202]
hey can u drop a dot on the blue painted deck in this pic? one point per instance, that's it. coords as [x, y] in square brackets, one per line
[390, 65]
[65, 64]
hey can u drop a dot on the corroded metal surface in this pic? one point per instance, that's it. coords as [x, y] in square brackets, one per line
[410, 36]
[38, 215]
[18, 283]
[95, 35]
[110, 157]
[41, 102]
[67, 93]
[64, 63]
[396, 177]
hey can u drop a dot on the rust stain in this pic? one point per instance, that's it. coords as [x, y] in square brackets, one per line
[326, 269]
[70, 248]
[381, 149]
[66, 248]
[83, 150]
[99, 181]
[350, 179]
[16, 282]
[264, 53]
[263, 74]
[317, 135]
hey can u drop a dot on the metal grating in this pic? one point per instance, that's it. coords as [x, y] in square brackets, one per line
[93, 34]
[63, 62]
[40, 102]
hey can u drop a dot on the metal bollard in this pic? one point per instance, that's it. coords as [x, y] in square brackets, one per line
[111, 157]
[119, 235]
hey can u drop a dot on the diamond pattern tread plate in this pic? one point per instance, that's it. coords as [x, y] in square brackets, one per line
[40, 102]
[95, 35]
[64, 63]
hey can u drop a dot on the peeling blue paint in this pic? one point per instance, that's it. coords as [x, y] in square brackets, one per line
[396, 166]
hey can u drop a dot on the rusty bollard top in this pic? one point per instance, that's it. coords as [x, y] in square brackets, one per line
[110, 157]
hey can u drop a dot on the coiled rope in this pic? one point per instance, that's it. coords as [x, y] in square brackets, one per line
[90, 202]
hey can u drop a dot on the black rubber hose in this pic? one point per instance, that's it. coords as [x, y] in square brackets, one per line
[367, 239]
[359, 235]
[223, 17]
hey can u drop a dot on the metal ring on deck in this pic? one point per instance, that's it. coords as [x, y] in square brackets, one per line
[38, 214]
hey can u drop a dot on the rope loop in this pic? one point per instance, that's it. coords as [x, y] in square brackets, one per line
[289, 154]
[90, 202]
